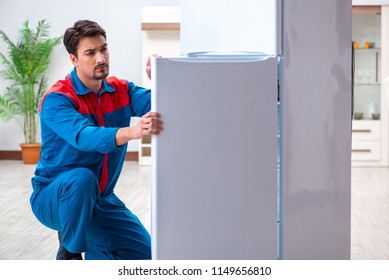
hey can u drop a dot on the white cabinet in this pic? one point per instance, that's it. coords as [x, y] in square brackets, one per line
[366, 145]
[370, 132]
[160, 35]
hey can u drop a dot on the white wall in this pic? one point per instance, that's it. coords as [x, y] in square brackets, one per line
[120, 18]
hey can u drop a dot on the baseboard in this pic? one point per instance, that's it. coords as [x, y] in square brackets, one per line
[17, 155]
[10, 155]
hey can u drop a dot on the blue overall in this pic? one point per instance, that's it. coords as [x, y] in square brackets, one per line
[74, 181]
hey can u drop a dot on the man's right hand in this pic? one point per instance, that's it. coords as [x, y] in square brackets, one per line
[149, 124]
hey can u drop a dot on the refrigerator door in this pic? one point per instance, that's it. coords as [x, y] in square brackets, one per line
[315, 102]
[214, 167]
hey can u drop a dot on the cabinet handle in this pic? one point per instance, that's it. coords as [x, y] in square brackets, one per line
[362, 130]
[361, 151]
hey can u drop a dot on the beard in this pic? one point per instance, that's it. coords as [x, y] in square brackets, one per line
[101, 71]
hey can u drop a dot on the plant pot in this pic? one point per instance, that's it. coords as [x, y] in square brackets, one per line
[31, 153]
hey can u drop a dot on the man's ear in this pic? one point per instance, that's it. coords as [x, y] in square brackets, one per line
[73, 59]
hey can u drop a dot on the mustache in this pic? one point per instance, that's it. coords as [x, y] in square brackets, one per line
[101, 65]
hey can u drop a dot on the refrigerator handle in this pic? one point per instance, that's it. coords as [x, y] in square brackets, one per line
[352, 78]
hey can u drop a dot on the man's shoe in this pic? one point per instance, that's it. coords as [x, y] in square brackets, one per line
[64, 254]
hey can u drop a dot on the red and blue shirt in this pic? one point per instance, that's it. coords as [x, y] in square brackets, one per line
[78, 128]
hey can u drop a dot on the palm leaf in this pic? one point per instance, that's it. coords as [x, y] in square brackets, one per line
[10, 72]
[7, 109]
[15, 96]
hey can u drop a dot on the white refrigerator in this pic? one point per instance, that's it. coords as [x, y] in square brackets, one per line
[255, 158]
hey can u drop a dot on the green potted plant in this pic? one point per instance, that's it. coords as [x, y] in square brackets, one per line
[25, 66]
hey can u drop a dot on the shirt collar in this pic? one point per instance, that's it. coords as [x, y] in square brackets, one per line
[81, 89]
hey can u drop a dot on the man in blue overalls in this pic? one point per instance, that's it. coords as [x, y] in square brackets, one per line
[85, 128]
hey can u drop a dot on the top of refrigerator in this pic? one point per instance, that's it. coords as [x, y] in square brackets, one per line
[228, 26]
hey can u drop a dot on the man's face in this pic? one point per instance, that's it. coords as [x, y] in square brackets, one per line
[92, 62]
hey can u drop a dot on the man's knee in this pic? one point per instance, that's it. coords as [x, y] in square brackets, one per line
[82, 180]
[83, 175]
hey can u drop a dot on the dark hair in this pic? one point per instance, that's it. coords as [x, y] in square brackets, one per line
[81, 29]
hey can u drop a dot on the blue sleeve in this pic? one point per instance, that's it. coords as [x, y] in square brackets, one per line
[140, 99]
[60, 115]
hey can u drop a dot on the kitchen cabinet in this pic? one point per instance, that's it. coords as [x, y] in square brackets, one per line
[370, 128]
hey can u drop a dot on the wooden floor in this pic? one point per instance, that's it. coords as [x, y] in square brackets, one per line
[22, 237]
